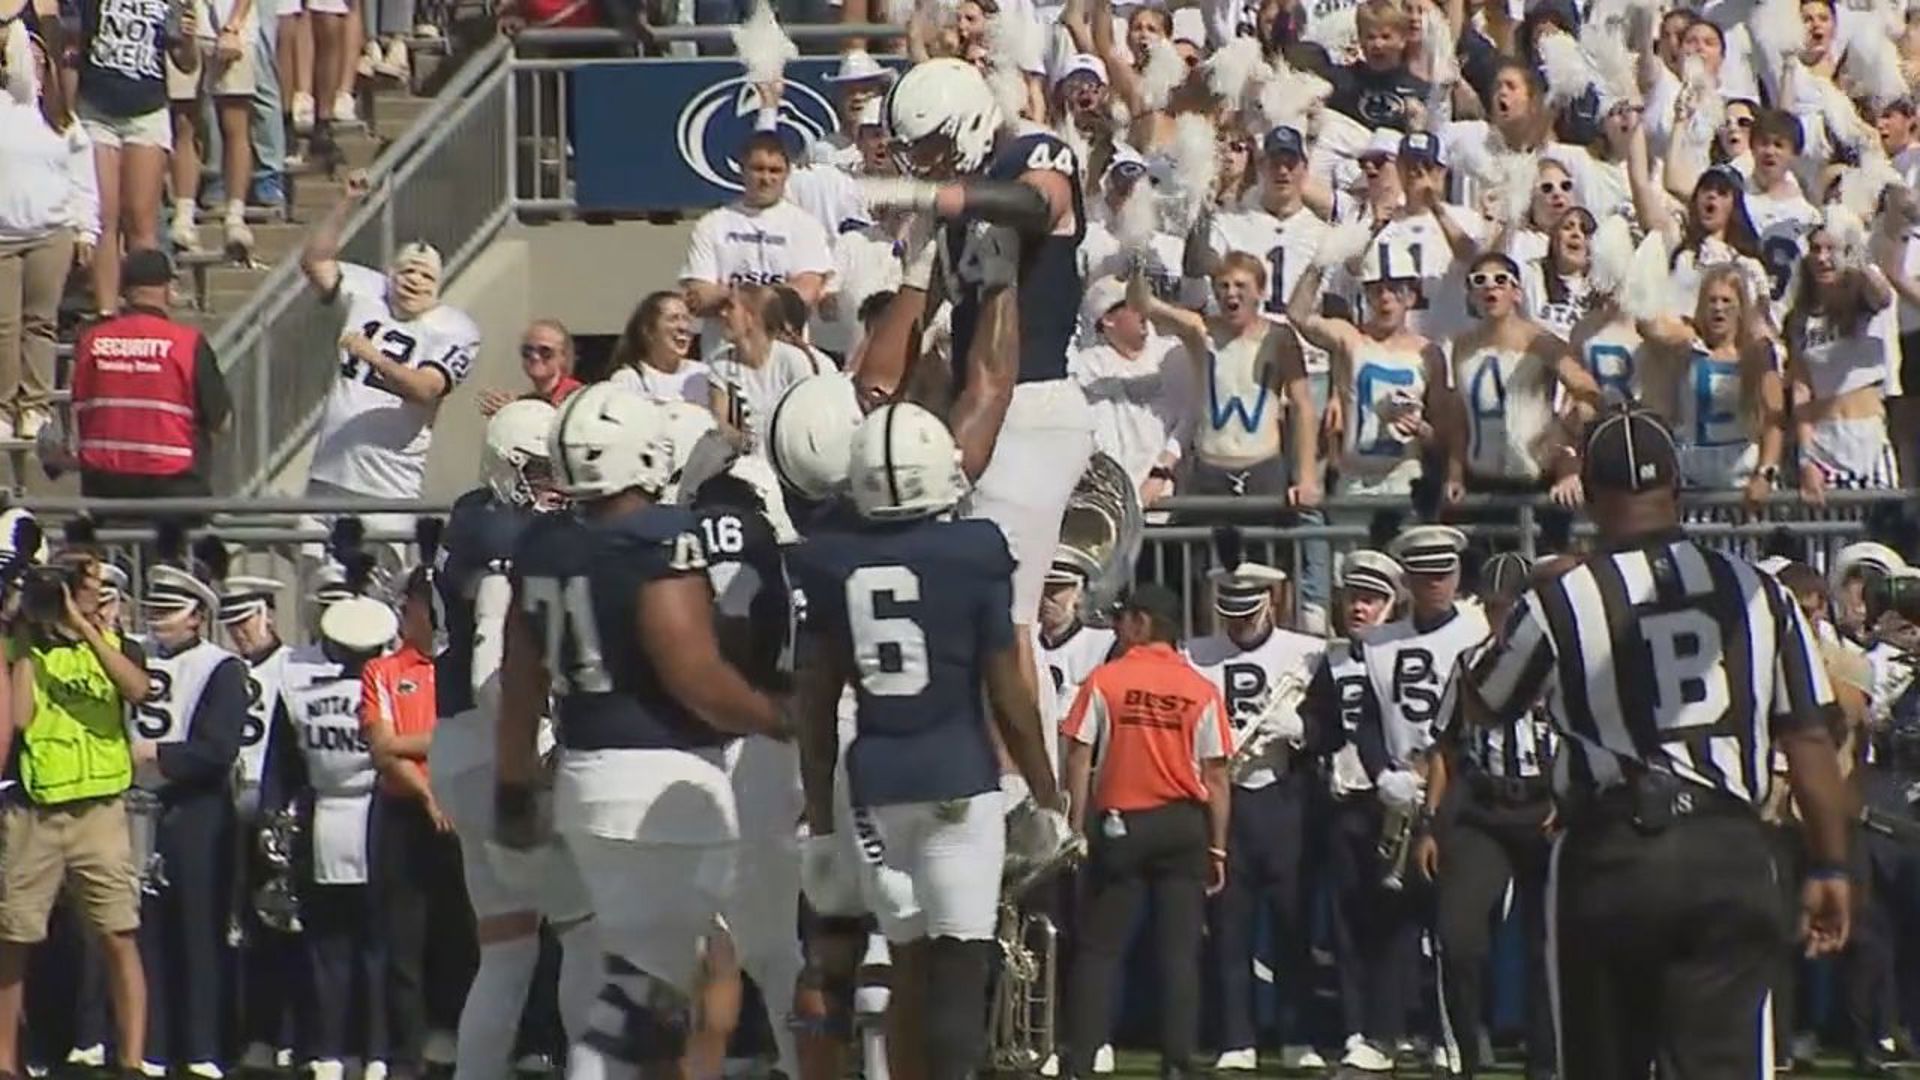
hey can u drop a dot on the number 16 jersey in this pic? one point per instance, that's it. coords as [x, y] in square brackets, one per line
[372, 440]
[920, 605]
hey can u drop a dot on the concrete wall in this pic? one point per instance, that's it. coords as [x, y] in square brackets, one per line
[587, 276]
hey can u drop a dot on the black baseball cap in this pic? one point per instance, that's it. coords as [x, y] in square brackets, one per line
[146, 268]
[1629, 451]
[1284, 141]
[1151, 599]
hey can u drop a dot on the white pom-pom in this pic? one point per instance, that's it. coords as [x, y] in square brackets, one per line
[1069, 133]
[1873, 66]
[1164, 73]
[1138, 220]
[1861, 186]
[1777, 30]
[1612, 255]
[1290, 96]
[1848, 233]
[1568, 71]
[1615, 64]
[1009, 39]
[1338, 33]
[1709, 105]
[1513, 177]
[1232, 67]
[1338, 133]
[1342, 244]
[1645, 293]
[1196, 161]
[1437, 46]
[763, 47]
[1845, 125]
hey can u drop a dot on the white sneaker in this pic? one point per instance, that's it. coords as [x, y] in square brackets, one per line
[1103, 1060]
[534, 1064]
[1051, 1066]
[375, 1070]
[153, 1069]
[184, 234]
[1444, 1059]
[205, 1070]
[302, 112]
[1365, 1056]
[328, 1069]
[440, 1048]
[370, 59]
[1301, 1057]
[395, 64]
[239, 235]
[346, 110]
[426, 31]
[258, 1057]
[95, 1056]
[1245, 1059]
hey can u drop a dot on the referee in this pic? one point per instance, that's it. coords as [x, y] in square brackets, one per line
[1147, 746]
[1673, 673]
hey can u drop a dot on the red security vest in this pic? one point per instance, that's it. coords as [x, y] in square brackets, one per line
[133, 395]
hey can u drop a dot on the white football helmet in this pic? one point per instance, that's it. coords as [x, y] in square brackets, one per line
[904, 464]
[517, 438]
[811, 433]
[942, 99]
[685, 424]
[608, 439]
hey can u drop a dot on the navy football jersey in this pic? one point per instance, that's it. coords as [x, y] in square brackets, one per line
[579, 582]
[920, 605]
[1049, 275]
[479, 540]
[750, 592]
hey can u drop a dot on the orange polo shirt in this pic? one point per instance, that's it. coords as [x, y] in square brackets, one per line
[398, 689]
[1151, 720]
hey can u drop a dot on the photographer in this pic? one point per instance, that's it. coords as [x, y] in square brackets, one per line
[70, 682]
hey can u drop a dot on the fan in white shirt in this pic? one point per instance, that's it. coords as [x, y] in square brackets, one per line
[761, 360]
[1281, 230]
[402, 352]
[1781, 214]
[651, 358]
[1140, 394]
[1101, 252]
[760, 240]
[1430, 240]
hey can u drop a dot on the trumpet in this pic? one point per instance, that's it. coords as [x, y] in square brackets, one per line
[1397, 825]
[1279, 711]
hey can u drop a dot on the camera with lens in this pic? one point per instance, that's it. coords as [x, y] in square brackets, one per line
[43, 591]
[1898, 593]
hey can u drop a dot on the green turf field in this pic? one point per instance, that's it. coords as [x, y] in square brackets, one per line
[1134, 1064]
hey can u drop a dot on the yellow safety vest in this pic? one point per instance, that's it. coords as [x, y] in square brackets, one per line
[76, 746]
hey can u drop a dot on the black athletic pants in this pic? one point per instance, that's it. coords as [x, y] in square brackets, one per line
[183, 931]
[1376, 930]
[429, 939]
[1163, 856]
[1485, 843]
[346, 1016]
[1666, 943]
[1266, 846]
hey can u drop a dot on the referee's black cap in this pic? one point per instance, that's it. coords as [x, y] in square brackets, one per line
[1505, 575]
[1629, 451]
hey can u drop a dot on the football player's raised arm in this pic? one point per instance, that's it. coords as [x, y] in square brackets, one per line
[993, 365]
[675, 623]
[320, 258]
[524, 681]
[886, 355]
[820, 674]
[1016, 715]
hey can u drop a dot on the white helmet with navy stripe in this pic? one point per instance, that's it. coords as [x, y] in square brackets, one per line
[607, 440]
[904, 464]
[516, 438]
[810, 433]
[942, 117]
[686, 424]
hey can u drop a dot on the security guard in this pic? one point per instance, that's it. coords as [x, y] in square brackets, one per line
[1672, 671]
[1491, 801]
[148, 395]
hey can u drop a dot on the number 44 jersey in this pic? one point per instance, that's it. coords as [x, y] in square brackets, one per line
[920, 605]
[372, 440]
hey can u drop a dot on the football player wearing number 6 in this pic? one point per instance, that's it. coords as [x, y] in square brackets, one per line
[997, 211]
[912, 611]
[188, 735]
[402, 352]
[612, 617]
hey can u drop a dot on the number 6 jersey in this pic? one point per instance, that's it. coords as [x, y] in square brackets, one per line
[920, 606]
[372, 440]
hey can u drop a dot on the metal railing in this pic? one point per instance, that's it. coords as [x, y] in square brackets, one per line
[445, 181]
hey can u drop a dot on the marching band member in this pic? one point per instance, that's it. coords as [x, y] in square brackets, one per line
[187, 739]
[1260, 671]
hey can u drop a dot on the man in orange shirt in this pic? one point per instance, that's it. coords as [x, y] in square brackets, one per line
[422, 894]
[1146, 765]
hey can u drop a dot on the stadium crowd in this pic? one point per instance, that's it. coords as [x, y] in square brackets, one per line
[1285, 253]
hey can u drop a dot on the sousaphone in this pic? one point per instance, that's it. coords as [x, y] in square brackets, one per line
[1100, 535]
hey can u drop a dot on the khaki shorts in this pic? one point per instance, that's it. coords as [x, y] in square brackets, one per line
[85, 845]
[115, 132]
[237, 79]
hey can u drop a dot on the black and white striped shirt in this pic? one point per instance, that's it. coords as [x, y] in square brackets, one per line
[1521, 749]
[1664, 653]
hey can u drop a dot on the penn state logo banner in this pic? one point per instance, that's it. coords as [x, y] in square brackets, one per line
[667, 134]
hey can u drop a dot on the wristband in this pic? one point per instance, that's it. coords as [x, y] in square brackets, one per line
[1160, 472]
[1217, 853]
[1827, 872]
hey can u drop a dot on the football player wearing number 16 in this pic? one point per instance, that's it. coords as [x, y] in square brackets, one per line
[612, 616]
[911, 609]
[401, 352]
[1009, 212]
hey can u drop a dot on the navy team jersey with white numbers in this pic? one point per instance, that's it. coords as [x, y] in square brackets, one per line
[578, 582]
[750, 592]
[1049, 267]
[480, 536]
[920, 605]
